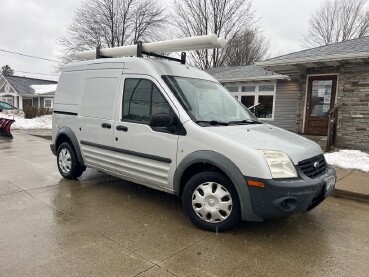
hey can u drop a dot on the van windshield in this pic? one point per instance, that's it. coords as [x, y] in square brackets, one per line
[208, 102]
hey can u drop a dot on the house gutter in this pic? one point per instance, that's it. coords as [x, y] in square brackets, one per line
[260, 78]
[323, 58]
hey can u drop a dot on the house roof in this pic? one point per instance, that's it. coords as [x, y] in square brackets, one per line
[355, 50]
[243, 73]
[23, 85]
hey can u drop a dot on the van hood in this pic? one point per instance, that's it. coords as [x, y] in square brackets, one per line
[268, 137]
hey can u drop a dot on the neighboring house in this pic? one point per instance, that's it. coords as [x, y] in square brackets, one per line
[24, 92]
[329, 75]
[252, 85]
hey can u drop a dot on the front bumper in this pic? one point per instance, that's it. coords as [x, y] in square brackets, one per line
[290, 196]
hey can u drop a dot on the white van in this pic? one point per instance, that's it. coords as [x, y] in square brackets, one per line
[173, 127]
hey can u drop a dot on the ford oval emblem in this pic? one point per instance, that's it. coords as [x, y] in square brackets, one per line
[316, 164]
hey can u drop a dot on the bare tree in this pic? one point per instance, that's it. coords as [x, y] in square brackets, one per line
[111, 23]
[225, 18]
[336, 21]
[245, 48]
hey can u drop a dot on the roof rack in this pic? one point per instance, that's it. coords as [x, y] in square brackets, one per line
[140, 51]
[157, 49]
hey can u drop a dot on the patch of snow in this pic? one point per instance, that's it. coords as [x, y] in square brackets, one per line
[349, 159]
[41, 89]
[42, 122]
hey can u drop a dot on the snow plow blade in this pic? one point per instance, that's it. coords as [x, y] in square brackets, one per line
[5, 127]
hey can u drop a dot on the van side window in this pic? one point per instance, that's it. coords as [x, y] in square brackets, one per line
[141, 99]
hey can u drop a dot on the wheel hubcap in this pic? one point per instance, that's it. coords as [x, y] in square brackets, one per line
[65, 161]
[212, 202]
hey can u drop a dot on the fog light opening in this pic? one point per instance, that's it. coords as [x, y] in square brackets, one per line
[286, 204]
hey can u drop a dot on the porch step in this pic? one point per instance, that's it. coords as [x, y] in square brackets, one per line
[321, 140]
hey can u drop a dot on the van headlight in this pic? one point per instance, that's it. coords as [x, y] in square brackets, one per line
[280, 164]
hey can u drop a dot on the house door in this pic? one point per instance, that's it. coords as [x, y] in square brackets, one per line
[321, 95]
[27, 103]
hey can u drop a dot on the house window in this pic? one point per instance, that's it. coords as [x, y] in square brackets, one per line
[48, 103]
[141, 99]
[248, 100]
[9, 100]
[266, 111]
[233, 88]
[266, 87]
[253, 94]
[248, 88]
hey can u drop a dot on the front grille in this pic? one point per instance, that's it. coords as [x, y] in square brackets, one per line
[314, 166]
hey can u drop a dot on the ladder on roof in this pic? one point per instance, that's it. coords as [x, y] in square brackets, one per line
[156, 49]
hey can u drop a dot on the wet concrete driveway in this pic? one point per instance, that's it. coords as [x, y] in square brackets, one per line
[101, 225]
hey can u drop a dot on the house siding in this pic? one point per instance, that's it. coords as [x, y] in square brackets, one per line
[286, 103]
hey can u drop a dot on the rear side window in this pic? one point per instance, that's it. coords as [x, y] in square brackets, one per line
[141, 99]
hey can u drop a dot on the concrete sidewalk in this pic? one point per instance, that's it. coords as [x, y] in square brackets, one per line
[352, 184]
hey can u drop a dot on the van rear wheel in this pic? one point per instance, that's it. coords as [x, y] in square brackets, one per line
[211, 202]
[68, 164]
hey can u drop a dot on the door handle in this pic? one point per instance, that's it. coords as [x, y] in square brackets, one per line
[122, 128]
[106, 125]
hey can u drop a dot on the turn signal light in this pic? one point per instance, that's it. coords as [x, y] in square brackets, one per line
[255, 184]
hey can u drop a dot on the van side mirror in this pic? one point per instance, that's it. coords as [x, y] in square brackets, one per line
[160, 120]
[1, 110]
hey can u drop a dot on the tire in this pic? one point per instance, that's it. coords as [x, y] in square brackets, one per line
[67, 162]
[211, 202]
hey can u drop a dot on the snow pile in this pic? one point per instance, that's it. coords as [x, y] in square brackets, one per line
[42, 89]
[349, 159]
[42, 122]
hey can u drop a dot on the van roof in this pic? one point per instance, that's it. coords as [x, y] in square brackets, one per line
[136, 65]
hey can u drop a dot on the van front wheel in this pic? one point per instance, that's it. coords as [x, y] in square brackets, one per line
[211, 202]
[68, 164]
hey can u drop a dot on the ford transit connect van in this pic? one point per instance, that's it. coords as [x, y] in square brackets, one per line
[174, 128]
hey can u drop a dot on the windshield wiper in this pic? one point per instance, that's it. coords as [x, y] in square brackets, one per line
[245, 121]
[213, 122]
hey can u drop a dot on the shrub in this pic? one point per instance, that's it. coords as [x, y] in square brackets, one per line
[32, 112]
[44, 111]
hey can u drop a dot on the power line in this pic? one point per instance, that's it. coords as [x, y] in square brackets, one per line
[29, 56]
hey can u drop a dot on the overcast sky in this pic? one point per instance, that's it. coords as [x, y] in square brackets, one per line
[33, 26]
